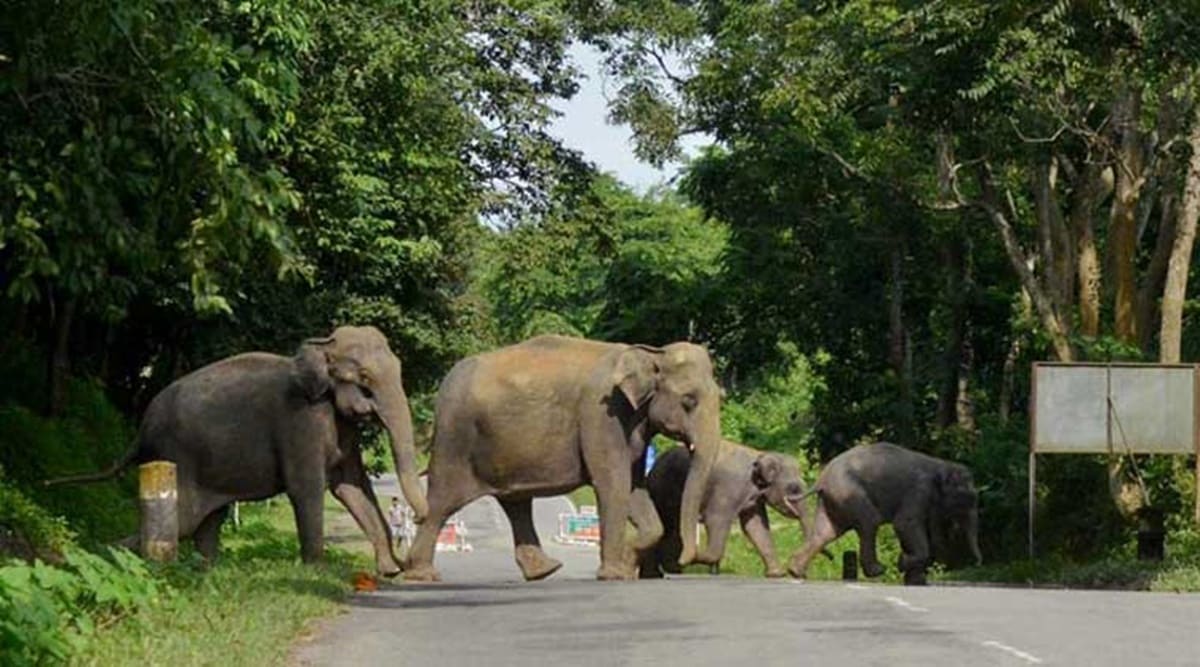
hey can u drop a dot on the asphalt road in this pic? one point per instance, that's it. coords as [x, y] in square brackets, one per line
[483, 614]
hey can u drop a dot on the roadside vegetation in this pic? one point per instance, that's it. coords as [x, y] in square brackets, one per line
[908, 205]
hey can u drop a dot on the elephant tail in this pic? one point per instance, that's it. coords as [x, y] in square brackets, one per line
[116, 469]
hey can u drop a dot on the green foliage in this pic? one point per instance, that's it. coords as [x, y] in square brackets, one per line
[90, 435]
[775, 414]
[1118, 568]
[26, 529]
[47, 613]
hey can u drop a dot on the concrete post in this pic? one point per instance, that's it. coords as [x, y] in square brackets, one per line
[158, 497]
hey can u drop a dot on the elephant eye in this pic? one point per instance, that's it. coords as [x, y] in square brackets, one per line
[690, 402]
[366, 392]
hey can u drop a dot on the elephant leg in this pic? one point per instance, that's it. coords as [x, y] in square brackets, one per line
[612, 479]
[757, 529]
[352, 487]
[717, 527]
[448, 493]
[207, 536]
[668, 550]
[866, 524]
[534, 562]
[308, 506]
[823, 532]
[645, 518]
[914, 548]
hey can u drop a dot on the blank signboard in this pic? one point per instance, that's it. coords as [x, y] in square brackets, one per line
[1153, 409]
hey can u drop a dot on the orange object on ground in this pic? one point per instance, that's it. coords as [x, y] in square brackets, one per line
[364, 582]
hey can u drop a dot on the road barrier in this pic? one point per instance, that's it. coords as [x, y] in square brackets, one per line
[580, 528]
[453, 537]
[158, 497]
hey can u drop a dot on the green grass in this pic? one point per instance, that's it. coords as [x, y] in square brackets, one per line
[248, 609]
[741, 557]
[1120, 569]
[584, 495]
[1179, 572]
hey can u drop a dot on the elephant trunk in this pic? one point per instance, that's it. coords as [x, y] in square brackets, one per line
[393, 411]
[972, 530]
[705, 451]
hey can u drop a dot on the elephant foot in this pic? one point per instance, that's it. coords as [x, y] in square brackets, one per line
[776, 572]
[613, 573]
[872, 570]
[915, 578]
[422, 574]
[535, 564]
[388, 568]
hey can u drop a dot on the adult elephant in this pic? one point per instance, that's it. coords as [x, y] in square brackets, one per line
[553, 413]
[927, 500]
[255, 425]
[743, 483]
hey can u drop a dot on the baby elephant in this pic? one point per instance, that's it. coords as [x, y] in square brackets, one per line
[925, 499]
[743, 482]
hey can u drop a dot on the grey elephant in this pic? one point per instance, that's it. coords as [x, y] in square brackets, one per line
[927, 500]
[550, 414]
[255, 425]
[743, 483]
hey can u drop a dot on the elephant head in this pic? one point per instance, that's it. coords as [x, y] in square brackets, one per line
[777, 478]
[674, 386]
[955, 510]
[356, 367]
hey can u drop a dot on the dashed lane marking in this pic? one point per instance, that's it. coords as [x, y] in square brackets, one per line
[903, 604]
[857, 587]
[1027, 657]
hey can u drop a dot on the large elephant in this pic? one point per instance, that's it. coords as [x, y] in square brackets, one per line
[926, 500]
[254, 425]
[743, 483]
[550, 414]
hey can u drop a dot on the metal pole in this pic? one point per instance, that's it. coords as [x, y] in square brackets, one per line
[1032, 452]
[1196, 433]
[158, 496]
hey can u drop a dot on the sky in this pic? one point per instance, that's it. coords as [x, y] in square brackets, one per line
[583, 126]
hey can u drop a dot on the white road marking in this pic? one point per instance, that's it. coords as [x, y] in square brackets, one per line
[857, 587]
[1028, 657]
[904, 604]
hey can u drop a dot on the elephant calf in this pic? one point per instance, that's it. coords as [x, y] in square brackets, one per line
[924, 498]
[743, 482]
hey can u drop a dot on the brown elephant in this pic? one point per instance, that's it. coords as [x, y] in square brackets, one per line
[255, 425]
[550, 414]
[743, 483]
[926, 500]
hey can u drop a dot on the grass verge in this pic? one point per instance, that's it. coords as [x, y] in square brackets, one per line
[248, 609]
[1179, 572]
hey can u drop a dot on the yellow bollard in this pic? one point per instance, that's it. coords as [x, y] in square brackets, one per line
[158, 498]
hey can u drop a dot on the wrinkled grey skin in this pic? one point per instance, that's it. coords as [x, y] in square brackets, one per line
[743, 483]
[553, 413]
[926, 500]
[255, 425]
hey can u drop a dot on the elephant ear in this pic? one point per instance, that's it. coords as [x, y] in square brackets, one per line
[636, 374]
[953, 486]
[310, 372]
[765, 470]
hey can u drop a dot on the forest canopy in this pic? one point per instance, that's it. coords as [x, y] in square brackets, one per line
[904, 205]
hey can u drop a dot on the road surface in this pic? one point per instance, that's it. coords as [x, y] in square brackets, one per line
[483, 614]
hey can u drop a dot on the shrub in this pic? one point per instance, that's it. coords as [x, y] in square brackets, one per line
[46, 611]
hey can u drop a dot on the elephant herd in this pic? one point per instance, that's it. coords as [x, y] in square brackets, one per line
[538, 418]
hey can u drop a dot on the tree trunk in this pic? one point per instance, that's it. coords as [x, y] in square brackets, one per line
[1122, 235]
[1175, 290]
[1048, 315]
[899, 352]
[60, 362]
[1090, 189]
[1156, 274]
[1054, 243]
